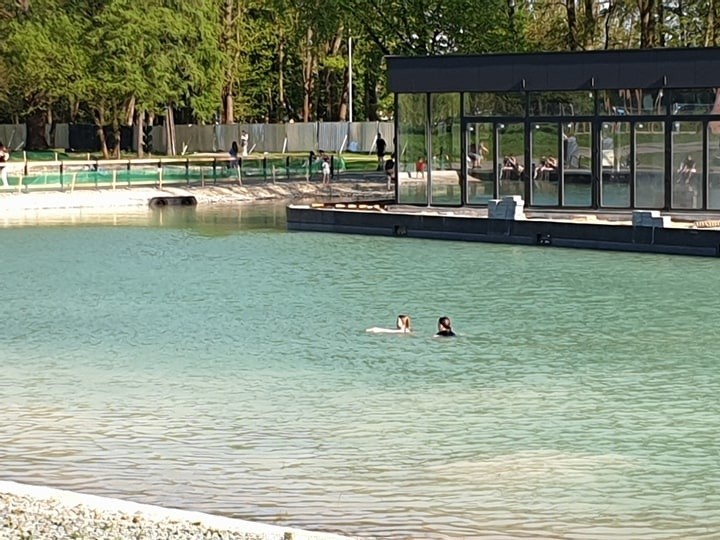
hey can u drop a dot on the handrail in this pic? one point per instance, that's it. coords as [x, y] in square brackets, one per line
[158, 170]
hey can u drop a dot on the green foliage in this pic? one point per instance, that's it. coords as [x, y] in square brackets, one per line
[43, 60]
[281, 59]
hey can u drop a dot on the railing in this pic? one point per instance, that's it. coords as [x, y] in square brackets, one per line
[197, 170]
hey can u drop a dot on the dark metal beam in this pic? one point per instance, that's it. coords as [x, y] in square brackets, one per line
[563, 71]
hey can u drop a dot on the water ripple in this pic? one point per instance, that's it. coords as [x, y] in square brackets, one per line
[227, 370]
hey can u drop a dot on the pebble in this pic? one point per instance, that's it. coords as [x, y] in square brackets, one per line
[29, 518]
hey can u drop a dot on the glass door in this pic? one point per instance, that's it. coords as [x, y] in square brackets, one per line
[511, 169]
[712, 165]
[576, 178]
[687, 165]
[480, 159]
[545, 164]
[615, 165]
[649, 164]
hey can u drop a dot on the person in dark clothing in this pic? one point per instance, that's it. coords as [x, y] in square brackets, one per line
[380, 148]
[234, 151]
[445, 328]
[390, 171]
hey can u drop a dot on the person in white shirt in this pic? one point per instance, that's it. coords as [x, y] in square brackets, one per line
[4, 158]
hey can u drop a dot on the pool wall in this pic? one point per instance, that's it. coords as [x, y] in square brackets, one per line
[643, 231]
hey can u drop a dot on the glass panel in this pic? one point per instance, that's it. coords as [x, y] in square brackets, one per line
[650, 165]
[511, 145]
[480, 163]
[694, 101]
[615, 165]
[623, 102]
[495, 104]
[562, 103]
[445, 168]
[713, 165]
[412, 184]
[687, 165]
[544, 143]
[577, 176]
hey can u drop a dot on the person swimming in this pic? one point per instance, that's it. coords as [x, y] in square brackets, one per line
[403, 325]
[445, 328]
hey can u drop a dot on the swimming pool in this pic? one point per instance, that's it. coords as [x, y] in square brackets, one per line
[210, 360]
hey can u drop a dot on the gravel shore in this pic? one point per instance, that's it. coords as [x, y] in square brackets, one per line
[39, 513]
[135, 197]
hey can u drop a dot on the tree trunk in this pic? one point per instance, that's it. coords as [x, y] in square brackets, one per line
[344, 96]
[308, 77]
[36, 123]
[170, 131]
[709, 40]
[333, 101]
[608, 18]
[227, 44]
[139, 117]
[99, 115]
[572, 24]
[371, 98]
[282, 110]
[51, 132]
[228, 113]
[116, 136]
[589, 25]
[648, 36]
[129, 109]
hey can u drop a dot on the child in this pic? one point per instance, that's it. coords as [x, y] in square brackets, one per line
[420, 167]
[326, 171]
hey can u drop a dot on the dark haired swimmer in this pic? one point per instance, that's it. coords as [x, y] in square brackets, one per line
[402, 326]
[445, 328]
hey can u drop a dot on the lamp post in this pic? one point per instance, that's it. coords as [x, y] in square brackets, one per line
[350, 72]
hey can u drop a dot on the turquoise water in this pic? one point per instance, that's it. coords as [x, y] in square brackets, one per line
[210, 360]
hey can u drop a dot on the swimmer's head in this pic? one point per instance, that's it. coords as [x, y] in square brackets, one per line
[444, 323]
[403, 323]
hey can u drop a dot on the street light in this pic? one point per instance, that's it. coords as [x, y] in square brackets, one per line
[350, 94]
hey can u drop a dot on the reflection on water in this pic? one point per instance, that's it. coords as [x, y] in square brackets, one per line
[209, 360]
[218, 219]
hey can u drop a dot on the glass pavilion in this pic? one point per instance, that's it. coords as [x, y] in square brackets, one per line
[636, 129]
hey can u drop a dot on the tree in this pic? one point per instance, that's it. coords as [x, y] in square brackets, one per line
[44, 60]
[151, 57]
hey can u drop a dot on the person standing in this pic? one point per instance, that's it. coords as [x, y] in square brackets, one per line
[326, 171]
[4, 158]
[233, 155]
[380, 148]
[244, 139]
